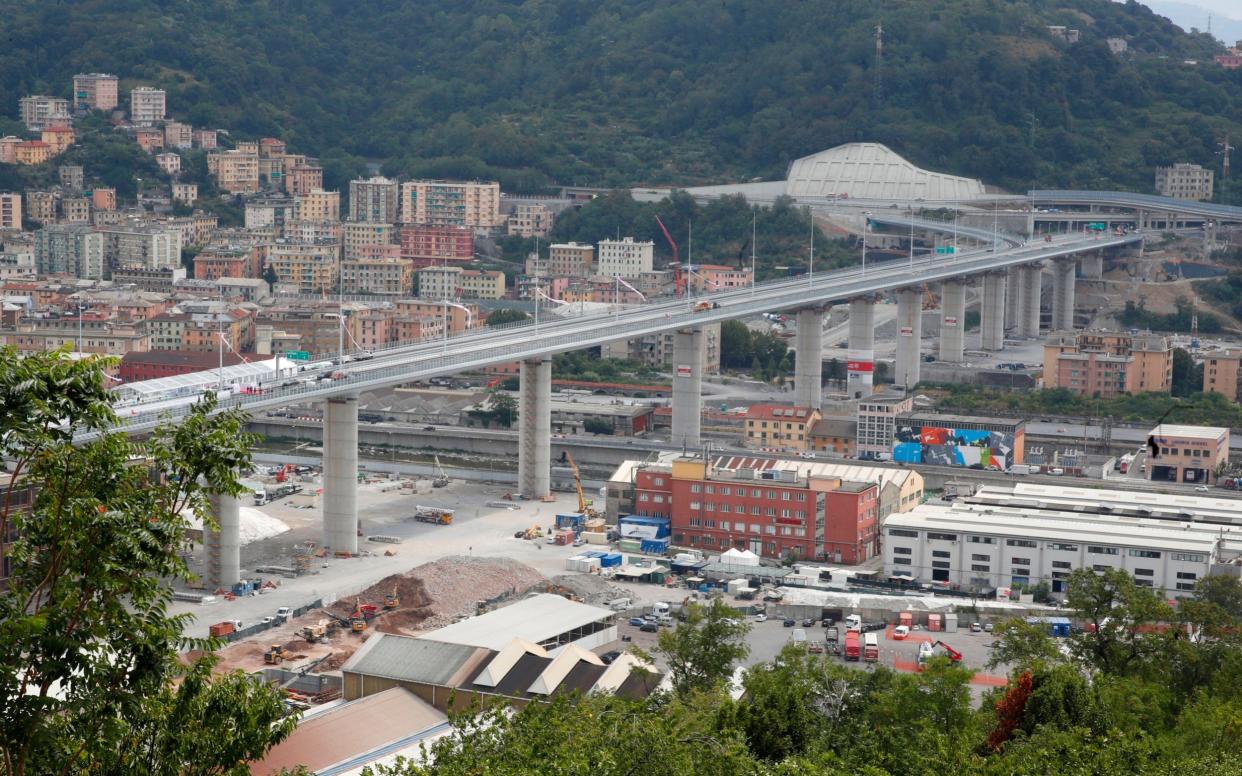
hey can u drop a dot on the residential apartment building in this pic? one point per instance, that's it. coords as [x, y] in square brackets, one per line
[776, 514]
[10, 211]
[657, 349]
[1184, 181]
[33, 152]
[170, 163]
[41, 206]
[75, 210]
[236, 172]
[185, 193]
[1190, 454]
[71, 176]
[440, 282]
[143, 247]
[301, 179]
[146, 105]
[94, 91]
[59, 139]
[625, 257]
[311, 231]
[77, 251]
[877, 424]
[571, 260]
[270, 211]
[206, 139]
[775, 427]
[530, 220]
[227, 261]
[475, 206]
[149, 139]
[482, 284]
[710, 278]
[8, 149]
[311, 268]
[459, 318]
[380, 276]
[986, 547]
[356, 234]
[374, 199]
[103, 199]
[96, 335]
[1220, 370]
[39, 111]
[835, 436]
[318, 205]
[1107, 364]
[431, 245]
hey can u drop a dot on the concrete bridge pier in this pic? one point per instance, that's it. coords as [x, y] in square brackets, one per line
[340, 474]
[1092, 265]
[688, 387]
[1063, 280]
[809, 358]
[952, 321]
[909, 335]
[535, 428]
[992, 310]
[1013, 284]
[1029, 297]
[860, 357]
[222, 546]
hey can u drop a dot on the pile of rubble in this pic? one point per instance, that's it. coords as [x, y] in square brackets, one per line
[588, 588]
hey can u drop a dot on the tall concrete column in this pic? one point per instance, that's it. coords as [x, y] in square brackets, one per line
[1063, 294]
[860, 358]
[992, 311]
[535, 428]
[687, 387]
[1093, 265]
[809, 359]
[340, 475]
[952, 321]
[909, 335]
[223, 545]
[1028, 316]
[1013, 285]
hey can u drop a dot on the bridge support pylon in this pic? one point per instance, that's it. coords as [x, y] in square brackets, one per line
[535, 428]
[860, 358]
[809, 358]
[952, 321]
[1063, 281]
[222, 546]
[992, 309]
[1029, 295]
[1013, 286]
[340, 474]
[909, 363]
[687, 387]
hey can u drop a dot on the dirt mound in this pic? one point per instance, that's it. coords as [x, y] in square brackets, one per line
[410, 591]
[334, 661]
[403, 621]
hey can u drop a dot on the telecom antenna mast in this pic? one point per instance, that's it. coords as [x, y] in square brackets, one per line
[878, 96]
[1225, 148]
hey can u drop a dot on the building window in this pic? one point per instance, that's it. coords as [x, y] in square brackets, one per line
[754, 528]
[643, 497]
[1144, 554]
[710, 507]
[1020, 543]
[902, 562]
[799, 532]
[981, 567]
[977, 556]
[941, 554]
[696, 488]
[1060, 564]
[695, 522]
[753, 510]
[725, 490]
[1187, 575]
[1062, 547]
[945, 537]
[1098, 567]
[1188, 557]
[695, 505]
[940, 564]
[1144, 573]
[658, 499]
[1098, 550]
[786, 495]
[786, 531]
[1020, 561]
[982, 540]
[1185, 586]
[770, 530]
[903, 532]
[755, 493]
[709, 488]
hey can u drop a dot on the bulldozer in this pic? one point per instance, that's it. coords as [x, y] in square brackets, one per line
[275, 655]
[392, 600]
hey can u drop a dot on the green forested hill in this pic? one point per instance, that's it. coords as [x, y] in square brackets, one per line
[655, 91]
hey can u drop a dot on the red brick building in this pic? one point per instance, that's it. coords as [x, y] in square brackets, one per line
[773, 513]
[432, 245]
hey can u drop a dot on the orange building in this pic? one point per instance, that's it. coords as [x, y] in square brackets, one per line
[1106, 363]
[780, 427]
[103, 199]
[1220, 373]
[59, 138]
[33, 152]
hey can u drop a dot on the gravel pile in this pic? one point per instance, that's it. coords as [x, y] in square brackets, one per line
[457, 583]
[590, 588]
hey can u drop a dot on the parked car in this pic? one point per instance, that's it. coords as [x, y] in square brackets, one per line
[809, 622]
[987, 628]
[789, 622]
[284, 613]
[900, 632]
[579, 541]
[609, 657]
[976, 627]
[1201, 488]
[761, 617]
[815, 647]
[650, 627]
[637, 622]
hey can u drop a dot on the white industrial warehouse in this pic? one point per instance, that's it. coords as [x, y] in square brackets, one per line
[1008, 536]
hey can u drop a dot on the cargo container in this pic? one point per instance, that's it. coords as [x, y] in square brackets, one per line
[906, 619]
[564, 537]
[570, 521]
[933, 623]
[594, 538]
[221, 629]
[852, 648]
[653, 546]
[643, 527]
[871, 648]
[630, 545]
[611, 560]
[950, 623]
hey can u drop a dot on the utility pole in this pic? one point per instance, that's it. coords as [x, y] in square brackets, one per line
[878, 95]
[1225, 148]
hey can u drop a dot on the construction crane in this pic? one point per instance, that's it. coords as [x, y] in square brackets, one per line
[439, 479]
[677, 281]
[584, 506]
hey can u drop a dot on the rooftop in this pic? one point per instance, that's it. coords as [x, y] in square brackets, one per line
[409, 659]
[1192, 432]
[779, 412]
[535, 619]
[1112, 502]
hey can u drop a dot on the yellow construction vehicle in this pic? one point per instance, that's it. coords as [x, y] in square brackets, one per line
[392, 600]
[313, 633]
[584, 505]
[275, 655]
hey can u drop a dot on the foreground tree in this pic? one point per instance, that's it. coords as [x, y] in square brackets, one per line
[90, 675]
[703, 649]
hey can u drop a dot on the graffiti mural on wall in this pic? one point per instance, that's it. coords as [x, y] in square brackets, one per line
[970, 448]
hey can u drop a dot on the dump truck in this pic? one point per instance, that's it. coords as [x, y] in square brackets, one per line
[435, 515]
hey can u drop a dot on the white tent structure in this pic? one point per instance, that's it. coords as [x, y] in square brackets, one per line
[737, 557]
[873, 171]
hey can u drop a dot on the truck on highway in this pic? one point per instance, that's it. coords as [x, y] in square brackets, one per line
[852, 648]
[436, 515]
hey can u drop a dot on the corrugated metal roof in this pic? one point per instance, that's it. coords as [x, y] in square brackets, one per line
[409, 659]
[536, 619]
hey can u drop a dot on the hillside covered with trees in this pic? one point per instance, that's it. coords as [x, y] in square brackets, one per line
[538, 92]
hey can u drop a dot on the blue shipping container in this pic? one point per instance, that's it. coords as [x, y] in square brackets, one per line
[610, 560]
[646, 527]
[569, 521]
[654, 546]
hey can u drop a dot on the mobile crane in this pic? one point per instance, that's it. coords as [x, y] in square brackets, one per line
[584, 506]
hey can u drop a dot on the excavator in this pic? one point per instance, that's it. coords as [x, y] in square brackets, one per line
[584, 506]
[439, 478]
[392, 600]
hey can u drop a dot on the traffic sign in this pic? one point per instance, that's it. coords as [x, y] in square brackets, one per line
[945, 249]
[297, 355]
